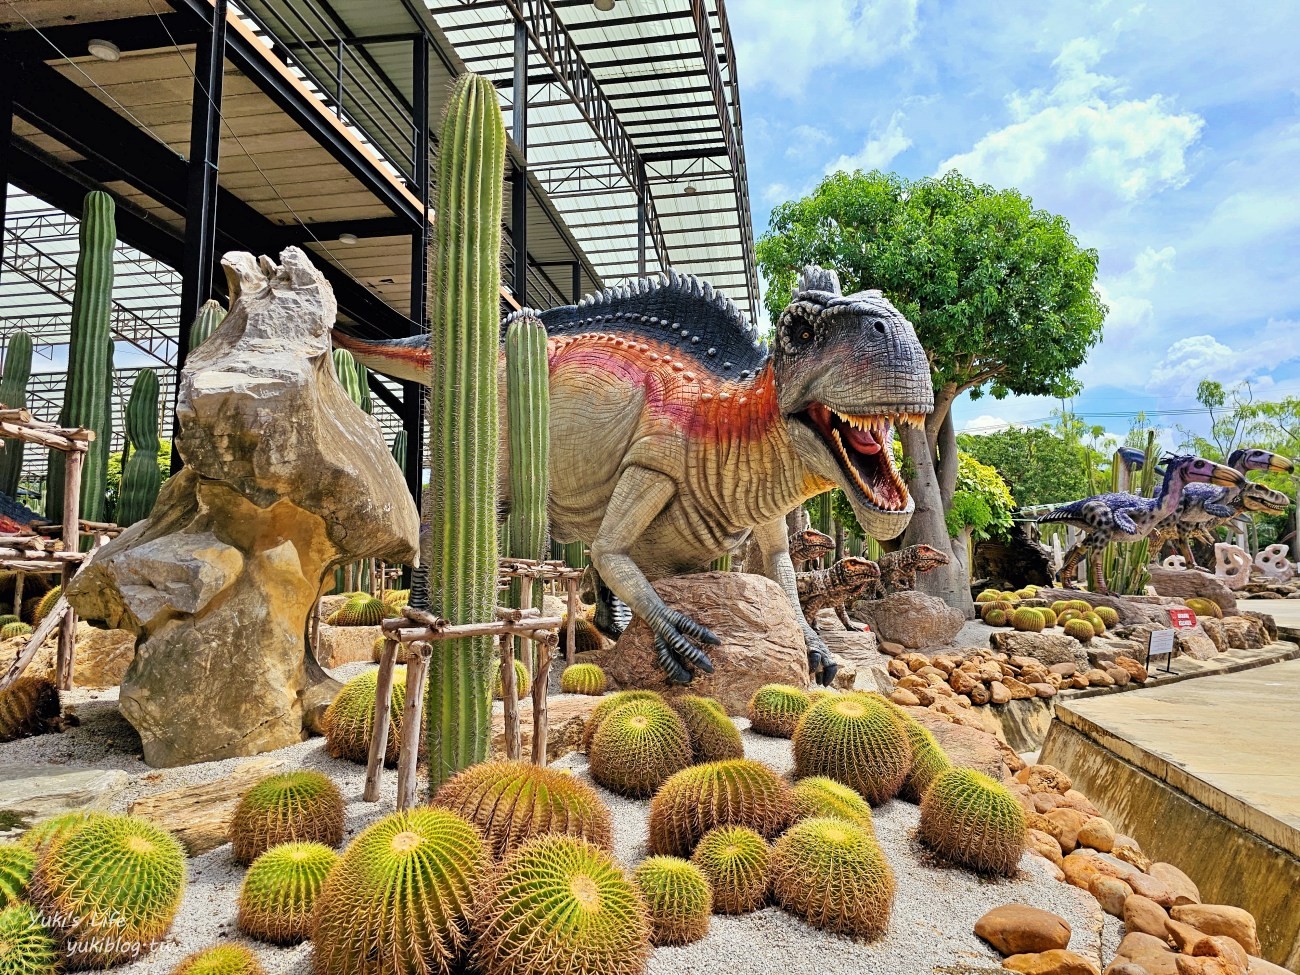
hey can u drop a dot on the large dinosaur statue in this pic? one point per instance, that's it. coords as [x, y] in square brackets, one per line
[1129, 517]
[675, 435]
[1204, 507]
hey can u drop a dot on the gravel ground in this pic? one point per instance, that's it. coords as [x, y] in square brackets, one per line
[934, 912]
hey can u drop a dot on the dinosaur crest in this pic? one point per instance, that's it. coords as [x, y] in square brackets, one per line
[674, 309]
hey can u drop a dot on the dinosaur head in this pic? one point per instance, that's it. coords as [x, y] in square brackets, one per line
[847, 369]
[1198, 469]
[1255, 459]
[928, 558]
[809, 543]
[858, 570]
[1263, 499]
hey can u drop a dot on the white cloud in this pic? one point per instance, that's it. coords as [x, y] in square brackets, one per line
[880, 149]
[1252, 357]
[986, 423]
[782, 45]
[1082, 141]
[776, 193]
[805, 141]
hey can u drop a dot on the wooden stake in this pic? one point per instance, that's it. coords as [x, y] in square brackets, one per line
[541, 678]
[510, 695]
[417, 669]
[383, 708]
[571, 634]
[71, 542]
[525, 604]
[18, 593]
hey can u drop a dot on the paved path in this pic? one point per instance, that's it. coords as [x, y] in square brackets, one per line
[1228, 742]
[1285, 611]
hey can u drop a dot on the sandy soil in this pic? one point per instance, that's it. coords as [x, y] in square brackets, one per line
[931, 929]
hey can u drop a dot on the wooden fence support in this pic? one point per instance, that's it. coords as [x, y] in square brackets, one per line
[510, 696]
[541, 679]
[571, 634]
[383, 710]
[408, 758]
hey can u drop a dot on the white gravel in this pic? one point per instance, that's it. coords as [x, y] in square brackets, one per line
[935, 908]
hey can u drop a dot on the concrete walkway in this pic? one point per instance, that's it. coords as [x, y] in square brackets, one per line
[1285, 612]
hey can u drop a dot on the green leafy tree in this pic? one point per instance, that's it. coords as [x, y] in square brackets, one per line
[1002, 296]
[1233, 421]
[1037, 463]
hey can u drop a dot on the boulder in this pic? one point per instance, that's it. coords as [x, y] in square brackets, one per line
[1058, 961]
[1097, 834]
[1232, 922]
[1243, 633]
[1064, 824]
[1045, 845]
[914, 619]
[1111, 893]
[1265, 620]
[1151, 952]
[964, 745]
[1195, 643]
[1183, 888]
[1015, 929]
[1145, 915]
[762, 642]
[101, 659]
[1188, 583]
[1044, 778]
[29, 794]
[1046, 648]
[284, 478]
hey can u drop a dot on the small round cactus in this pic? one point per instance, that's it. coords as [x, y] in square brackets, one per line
[817, 797]
[16, 866]
[221, 960]
[833, 875]
[1027, 620]
[400, 897]
[583, 679]
[10, 630]
[735, 792]
[775, 709]
[1098, 624]
[1049, 617]
[735, 861]
[26, 946]
[987, 596]
[302, 806]
[928, 761]
[1060, 606]
[512, 802]
[971, 820]
[1198, 605]
[361, 610]
[1080, 629]
[279, 893]
[522, 683]
[1080, 605]
[678, 897]
[637, 747]
[1066, 615]
[1110, 617]
[28, 707]
[110, 889]
[42, 834]
[560, 904]
[996, 617]
[606, 706]
[8, 618]
[46, 604]
[586, 638]
[857, 740]
[713, 736]
[350, 719]
[397, 599]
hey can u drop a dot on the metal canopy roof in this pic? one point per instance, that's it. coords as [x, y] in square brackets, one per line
[664, 71]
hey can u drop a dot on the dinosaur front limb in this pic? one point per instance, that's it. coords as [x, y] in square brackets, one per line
[638, 499]
[774, 544]
[843, 614]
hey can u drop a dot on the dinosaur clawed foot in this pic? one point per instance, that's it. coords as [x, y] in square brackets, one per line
[675, 646]
[820, 663]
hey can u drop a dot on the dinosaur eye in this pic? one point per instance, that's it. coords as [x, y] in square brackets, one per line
[802, 333]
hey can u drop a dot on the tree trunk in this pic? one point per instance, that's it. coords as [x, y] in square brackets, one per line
[947, 463]
[948, 582]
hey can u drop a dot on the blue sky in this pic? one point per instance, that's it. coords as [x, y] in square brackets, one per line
[1168, 133]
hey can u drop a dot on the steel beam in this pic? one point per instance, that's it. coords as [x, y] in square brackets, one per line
[519, 175]
[6, 137]
[411, 411]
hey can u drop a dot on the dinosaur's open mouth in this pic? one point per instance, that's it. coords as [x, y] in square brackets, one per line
[863, 448]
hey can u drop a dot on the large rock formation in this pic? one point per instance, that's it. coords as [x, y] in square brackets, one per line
[284, 478]
[913, 619]
[762, 642]
[1186, 583]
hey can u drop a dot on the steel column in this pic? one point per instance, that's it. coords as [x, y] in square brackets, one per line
[6, 138]
[640, 236]
[519, 174]
[198, 258]
[576, 292]
[413, 393]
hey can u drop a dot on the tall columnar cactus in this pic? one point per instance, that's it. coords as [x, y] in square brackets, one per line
[141, 478]
[13, 394]
[528, 408]
[352, 377]
[210, 315]
[459, 563]
[398, 448]
[86, 398]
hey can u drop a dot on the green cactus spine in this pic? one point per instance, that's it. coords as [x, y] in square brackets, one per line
[210, 315]
[817, 797]
[638, 747]
[16, 866]
[586, 679]
[713, 736]
[528, 410]
[831, 873]
[26, 947]
[857, 740]
[13, 394]
[398, 448]
[737, 792]
[775, 709]
[29, 706]
[220, 960]
[970, 819]
[292, 807]
[87, 395]
[735, 860]
[141, 478]
[458, 576]
[678, 897]
[352, 377]
[280, 889]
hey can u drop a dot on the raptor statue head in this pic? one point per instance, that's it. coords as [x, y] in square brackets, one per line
[1255, 459]
[848, 368]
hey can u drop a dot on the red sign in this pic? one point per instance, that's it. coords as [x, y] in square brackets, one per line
[1182, 619]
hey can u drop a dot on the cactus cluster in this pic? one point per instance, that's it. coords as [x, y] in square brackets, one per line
[220, 960]
[638, 746]
[971, 820]
[26, 946]
[606, 707]
[13, 394]
[110, 888]
[775, 709]
[678, 897]
[11, 630]
[361, 610]
[713, 736]
[293, 807]
[29, 706]
[16, 866]
[858, 741]
[586, 638]
[735, 861]
[560, 904]
[512, 802]
[350, 719]
[817, 797]
[583, 679]
[141, 477]
[522, 682]
[832, 874]
[736, 792]
[278, 897]
[400, 897]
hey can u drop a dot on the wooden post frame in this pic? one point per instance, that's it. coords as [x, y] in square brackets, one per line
[383, 710]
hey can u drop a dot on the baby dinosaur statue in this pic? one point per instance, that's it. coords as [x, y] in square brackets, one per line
[837, 588]
[898, 570]
[807, 545]
[675, 435]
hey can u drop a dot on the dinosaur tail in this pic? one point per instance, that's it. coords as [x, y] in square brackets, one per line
[1067, 512]
[399, 358]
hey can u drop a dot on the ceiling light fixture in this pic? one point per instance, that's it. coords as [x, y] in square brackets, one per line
[104, 50]
[603, 5]
[347, 238]
[690, 189]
